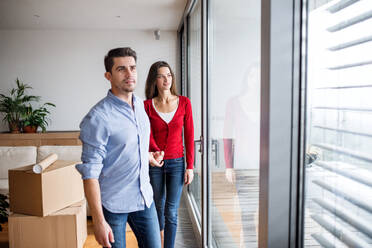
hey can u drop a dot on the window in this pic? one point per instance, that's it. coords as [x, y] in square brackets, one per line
[338, 174]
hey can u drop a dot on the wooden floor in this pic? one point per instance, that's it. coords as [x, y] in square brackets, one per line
[184, 239]
[89, 243]
[233, 216]
[234, 210]
[92, 243]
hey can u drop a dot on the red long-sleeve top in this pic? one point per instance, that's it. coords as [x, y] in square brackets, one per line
[167, 137]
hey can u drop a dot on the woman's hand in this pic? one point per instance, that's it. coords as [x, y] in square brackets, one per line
[156, 158]
[159, 156]
[189, 176]
[230, 175]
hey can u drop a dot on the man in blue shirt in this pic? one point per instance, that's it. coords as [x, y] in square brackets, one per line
[115, 135]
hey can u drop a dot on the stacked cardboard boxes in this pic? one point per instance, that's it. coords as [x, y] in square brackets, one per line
[49, 209]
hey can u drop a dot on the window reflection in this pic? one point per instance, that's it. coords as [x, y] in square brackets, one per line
[241, 138]
[234, 122]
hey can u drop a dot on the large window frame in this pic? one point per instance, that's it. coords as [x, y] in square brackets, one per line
[281, 130]
[280, 123]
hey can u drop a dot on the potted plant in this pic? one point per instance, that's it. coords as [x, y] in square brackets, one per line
[4, 209]
[14, 106]
[34, 118]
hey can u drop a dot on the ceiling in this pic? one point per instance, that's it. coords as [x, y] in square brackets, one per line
[91, 14]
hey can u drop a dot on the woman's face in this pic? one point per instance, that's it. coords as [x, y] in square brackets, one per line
[164, 79]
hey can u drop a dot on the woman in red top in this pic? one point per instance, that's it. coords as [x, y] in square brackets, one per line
[169, 115]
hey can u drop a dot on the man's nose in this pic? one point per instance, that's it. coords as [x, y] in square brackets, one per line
[128, 72]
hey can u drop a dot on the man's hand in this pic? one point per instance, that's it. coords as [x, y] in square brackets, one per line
[156, 158]
[189, 176]
[102, 230]
[103, 233]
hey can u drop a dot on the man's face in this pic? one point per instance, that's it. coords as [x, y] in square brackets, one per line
[123, 75]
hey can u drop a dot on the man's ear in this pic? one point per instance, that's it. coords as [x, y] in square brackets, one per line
[108, 75]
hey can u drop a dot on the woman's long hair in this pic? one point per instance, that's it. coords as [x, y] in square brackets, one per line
[151, 90]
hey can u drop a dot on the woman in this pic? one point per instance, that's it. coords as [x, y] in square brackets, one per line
[169, 115]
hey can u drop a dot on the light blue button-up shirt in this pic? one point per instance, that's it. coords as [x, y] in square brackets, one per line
[115, 140]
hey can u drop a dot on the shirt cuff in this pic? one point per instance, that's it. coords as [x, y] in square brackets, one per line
[88, 171]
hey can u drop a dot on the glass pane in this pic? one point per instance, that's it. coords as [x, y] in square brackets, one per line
[194, 88]
[183, 62]
[338, 172]
[234, 122]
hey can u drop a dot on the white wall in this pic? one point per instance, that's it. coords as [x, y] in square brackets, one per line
[66, 67]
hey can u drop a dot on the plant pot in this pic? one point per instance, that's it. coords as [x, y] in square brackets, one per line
[14, 127]
[30, 129]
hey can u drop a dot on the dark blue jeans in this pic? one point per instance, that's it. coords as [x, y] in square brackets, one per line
[167, 183]
[144, 225]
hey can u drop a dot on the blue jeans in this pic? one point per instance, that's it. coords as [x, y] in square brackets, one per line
[167, 183]
[144, 224]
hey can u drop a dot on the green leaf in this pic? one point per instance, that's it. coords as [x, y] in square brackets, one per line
[17, 108]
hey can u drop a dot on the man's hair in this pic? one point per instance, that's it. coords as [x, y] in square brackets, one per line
[151, 90]
[118, 52]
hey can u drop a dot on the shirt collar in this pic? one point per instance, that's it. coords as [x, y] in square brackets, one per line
[116, 100]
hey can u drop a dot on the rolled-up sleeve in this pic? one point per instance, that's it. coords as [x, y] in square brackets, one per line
[94, 134]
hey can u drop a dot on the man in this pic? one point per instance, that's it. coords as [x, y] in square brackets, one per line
[115, 135]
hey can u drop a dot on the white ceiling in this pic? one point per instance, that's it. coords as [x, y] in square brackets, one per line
[91, 14]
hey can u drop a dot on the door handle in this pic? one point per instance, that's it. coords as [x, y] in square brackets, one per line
[198, 142]
[214, 151]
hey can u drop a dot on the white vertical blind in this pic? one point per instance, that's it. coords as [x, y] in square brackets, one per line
[338, 207]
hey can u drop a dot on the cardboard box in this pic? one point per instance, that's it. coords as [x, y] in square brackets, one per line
[59, 186]
[62, 229]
